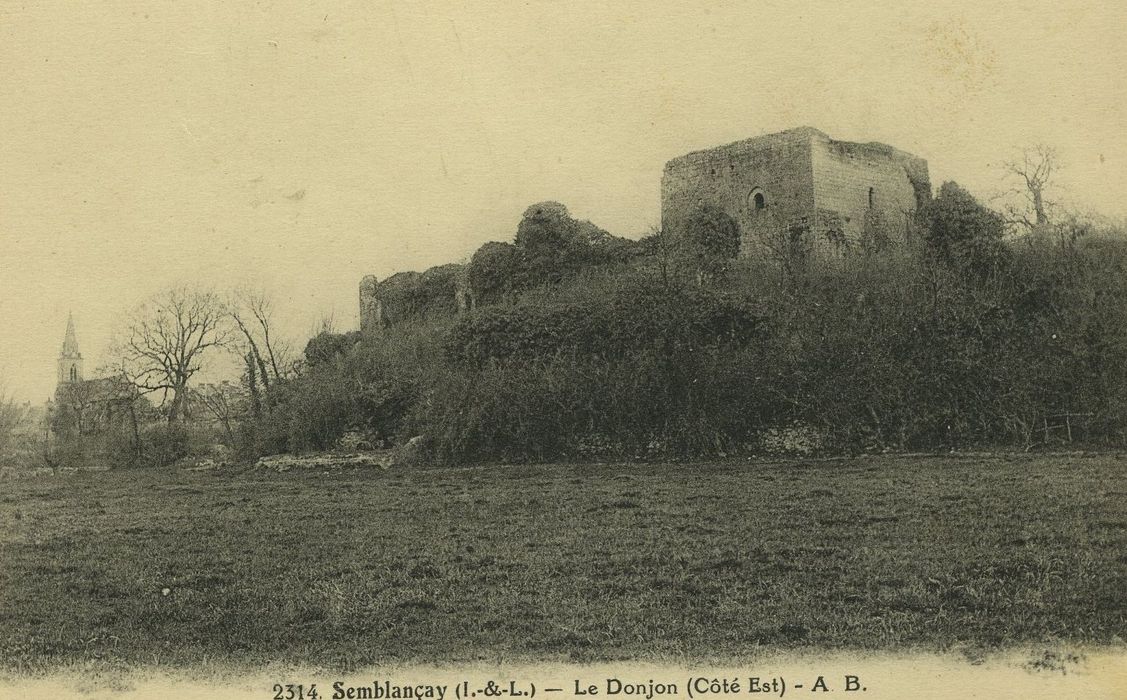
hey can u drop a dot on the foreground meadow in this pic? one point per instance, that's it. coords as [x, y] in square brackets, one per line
[350, 568]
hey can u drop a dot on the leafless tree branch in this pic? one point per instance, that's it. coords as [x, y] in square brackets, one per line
[167, 339]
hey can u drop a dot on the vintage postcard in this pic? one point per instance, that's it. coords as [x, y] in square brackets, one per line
[578, 351]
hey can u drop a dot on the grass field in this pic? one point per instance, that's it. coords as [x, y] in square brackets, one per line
[594, 562]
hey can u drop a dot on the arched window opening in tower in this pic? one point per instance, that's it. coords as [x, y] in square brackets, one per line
[760, 202]
[872, 196]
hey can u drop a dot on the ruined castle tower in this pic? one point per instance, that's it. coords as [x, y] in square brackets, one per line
[801, 185]
[70, 359]
[371, 309]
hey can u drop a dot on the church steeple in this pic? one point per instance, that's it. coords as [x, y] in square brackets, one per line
[70, 359]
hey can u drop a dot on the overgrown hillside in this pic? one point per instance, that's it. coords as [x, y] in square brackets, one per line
[579, 345]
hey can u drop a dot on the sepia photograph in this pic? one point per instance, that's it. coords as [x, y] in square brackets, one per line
[510, 349]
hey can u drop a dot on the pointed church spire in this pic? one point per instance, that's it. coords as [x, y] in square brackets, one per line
[70, 342]
[70, 359]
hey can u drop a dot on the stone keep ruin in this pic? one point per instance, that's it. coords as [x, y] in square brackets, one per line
[439, 290]
[801, 188]
[794, 192]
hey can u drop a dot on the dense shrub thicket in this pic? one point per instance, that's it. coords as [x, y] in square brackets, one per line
[157, 444]
[409, 295]
[550, 247]
[966, 340]
[624, 365]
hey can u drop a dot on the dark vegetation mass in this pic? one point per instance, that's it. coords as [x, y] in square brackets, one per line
[571, 343]
[574, 343]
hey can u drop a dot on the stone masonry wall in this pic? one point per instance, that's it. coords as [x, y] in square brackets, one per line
[371, 308]
[778, 166]
[865, 193]
[813, 187]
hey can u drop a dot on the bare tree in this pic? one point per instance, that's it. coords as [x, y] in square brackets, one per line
[1030, 175]
[167, 338]
[268, 357]
[327, 323]
[253, 314]
[225, 402]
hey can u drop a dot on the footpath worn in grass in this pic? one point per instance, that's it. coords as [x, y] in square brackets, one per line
[594, 562]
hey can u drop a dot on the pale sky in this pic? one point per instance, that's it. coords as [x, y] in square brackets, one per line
[301, 145]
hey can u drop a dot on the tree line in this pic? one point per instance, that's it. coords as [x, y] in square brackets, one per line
[987, 327]
[973, 336]
[146, 407]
